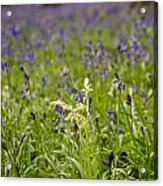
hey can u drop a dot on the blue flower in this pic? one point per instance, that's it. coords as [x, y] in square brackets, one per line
[71, 90]
[119, 84]
[4, 66]
[30, 56]
[136, 48]
[112, 115]
[63, 35]
[128, 100]
[110, 159]
[9, 52]
[26, 75]
[80, 97]
[15, 30]
[59, 109]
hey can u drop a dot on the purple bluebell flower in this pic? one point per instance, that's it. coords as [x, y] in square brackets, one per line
[30, 56]
[124, 48]
[140, 24]
[26, 75]
[108, 162]
[59, 110]
[74, 91]
[15, 31]
[100, 56]
[2, 122]
[136, 48]
[68, 89]
[128, 100]
[9, 52]
[63, 35]
[80, 97]
[110, 112]
[4, 66]
[122, 45]
[112, 115]
[71, 90]
[118, 83]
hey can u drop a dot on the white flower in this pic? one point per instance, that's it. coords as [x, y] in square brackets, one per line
[86, 82]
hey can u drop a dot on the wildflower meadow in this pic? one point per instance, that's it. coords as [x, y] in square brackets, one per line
[79, 91]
